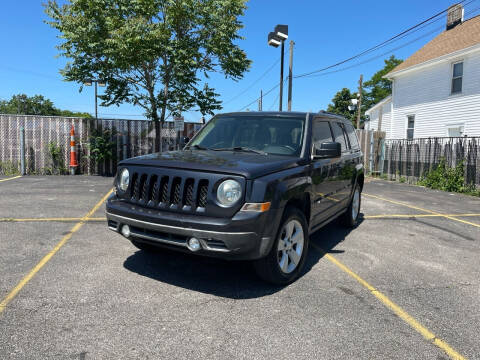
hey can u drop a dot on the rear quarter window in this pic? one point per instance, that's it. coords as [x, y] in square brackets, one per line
[352, 136]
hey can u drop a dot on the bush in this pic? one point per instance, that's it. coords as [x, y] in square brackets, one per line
[9, 168]
[446, 179]
[58, 161]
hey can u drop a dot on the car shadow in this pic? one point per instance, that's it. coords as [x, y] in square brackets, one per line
[228, 279]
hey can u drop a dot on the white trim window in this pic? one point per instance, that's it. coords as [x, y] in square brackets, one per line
[457, 77]
[410, 126]
[455, 130]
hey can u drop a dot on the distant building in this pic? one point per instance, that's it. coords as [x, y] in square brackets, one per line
[436, 91]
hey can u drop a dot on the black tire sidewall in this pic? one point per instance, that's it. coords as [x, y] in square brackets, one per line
[276, 275]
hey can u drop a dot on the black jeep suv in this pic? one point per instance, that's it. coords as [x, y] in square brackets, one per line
[248, 186]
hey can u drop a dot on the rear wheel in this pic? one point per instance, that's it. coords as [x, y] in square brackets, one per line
[286, 259]
[350, 218]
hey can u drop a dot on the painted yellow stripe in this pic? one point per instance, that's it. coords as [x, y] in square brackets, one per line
[421, 209]
[387, 216]
[402, 314]
[15, 177]
[52, 219]
[11, 295]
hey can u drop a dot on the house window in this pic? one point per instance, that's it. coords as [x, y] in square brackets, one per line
[457, 78]
[455, 130]
[410, 126]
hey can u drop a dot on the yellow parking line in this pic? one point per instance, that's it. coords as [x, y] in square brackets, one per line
[11, 295]
[52, 219]
[15, 177]
[387, 216]
[402, 314]
[421, 209]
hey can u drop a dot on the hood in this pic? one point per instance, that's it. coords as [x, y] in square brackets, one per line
[249, 165]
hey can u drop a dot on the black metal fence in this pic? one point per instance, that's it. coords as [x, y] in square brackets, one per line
[129, 138]
[413, 159]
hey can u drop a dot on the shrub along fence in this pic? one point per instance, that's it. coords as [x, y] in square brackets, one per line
[413, 159]
[100, 143]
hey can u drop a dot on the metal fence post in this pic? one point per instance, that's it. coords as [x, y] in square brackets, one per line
[124, 146]
[22, 151]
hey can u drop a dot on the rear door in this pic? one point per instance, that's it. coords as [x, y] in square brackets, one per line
[324, 185]
[344, 167]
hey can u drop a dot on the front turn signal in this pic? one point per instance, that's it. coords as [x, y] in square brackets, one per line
[256, 207]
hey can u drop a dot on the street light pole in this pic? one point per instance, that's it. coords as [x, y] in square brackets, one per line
[281, 76]
[275, 39]
[96, 113]
[290, 64]
[89, 82]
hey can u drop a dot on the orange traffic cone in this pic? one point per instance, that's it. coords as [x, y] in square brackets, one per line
[73, 152]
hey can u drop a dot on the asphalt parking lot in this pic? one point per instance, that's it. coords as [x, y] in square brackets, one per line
[404, 284]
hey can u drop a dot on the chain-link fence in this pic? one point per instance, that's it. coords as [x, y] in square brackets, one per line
[413, 159]
[47, 142]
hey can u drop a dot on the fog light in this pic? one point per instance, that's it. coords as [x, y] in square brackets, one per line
[126, 231]
[193, 244]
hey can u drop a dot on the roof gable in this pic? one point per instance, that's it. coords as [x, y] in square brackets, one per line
[462, 36]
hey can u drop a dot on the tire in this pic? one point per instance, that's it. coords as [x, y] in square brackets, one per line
[144, 246]
[350, 218]
[280, 266]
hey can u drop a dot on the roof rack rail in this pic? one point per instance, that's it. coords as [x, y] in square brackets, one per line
[330, 113]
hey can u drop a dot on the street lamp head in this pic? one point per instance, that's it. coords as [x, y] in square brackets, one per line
[354, 102]
[87, 82]
[274, 40]
[101, 83]
[282, 31]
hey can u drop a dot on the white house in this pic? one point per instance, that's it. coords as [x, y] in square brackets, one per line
[436, 91]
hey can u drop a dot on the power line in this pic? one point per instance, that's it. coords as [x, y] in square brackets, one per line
[264, 94]
[254, 83]
[385, 53]
[274, 102]
[378, 46]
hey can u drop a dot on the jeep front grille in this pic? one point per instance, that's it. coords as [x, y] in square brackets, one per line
[168, 191]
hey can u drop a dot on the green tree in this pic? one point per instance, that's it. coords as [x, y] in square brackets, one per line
[156, 54]
[340, 103]
[378, 88]
[34, 105]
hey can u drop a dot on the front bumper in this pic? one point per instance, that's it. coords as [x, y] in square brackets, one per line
[246, 236]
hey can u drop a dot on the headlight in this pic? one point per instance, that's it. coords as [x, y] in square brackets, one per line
[229, 192]
[124, 180]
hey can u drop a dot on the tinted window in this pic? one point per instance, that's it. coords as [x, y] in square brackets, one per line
[352, 136]
[321, 133]
[339, 135]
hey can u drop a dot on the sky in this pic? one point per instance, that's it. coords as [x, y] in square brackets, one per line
[324, 32]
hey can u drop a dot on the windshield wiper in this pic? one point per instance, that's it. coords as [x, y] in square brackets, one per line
[241, 148]
[199, 147]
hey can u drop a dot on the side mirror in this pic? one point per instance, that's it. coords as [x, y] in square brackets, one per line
[328, 150]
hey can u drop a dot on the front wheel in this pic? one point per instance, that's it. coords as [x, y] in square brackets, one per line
[286, 259]
[350, 218]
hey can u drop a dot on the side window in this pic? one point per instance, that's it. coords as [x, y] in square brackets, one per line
[339, 135]
[410, 126]
[457, 78]
[352, 136]
[321, 133]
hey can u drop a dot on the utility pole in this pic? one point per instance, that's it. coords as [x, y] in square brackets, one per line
[260, 101]
[281, 76]
[290, 76]
[360, 87]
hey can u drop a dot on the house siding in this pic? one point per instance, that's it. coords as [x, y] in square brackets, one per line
[426, 93]
[386, 116]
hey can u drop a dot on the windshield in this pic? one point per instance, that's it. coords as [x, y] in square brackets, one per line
[272, 135]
